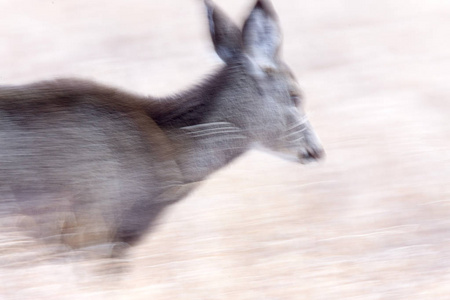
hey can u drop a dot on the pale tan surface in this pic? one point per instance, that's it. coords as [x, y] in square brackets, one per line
[372, 222]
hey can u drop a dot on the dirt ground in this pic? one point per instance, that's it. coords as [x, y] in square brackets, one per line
[370, 222]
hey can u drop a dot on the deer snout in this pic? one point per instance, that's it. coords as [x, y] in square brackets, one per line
[310, 154]
[312, 149]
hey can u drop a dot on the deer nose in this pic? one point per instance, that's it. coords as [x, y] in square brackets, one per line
[310, 154]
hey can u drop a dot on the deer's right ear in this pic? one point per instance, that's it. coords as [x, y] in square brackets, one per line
[262, 34]
[226, 36]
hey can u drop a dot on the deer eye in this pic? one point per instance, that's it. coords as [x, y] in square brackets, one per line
[296, 99]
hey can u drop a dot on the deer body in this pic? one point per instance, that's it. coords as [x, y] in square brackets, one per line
[124, 157]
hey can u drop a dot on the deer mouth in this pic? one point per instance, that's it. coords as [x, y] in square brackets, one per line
[309, 155]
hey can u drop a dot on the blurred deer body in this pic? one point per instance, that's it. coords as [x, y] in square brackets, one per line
[121, 158]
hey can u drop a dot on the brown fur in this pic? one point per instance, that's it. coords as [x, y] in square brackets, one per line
[97, 164]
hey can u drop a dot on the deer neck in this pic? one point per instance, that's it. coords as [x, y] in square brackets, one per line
[201, 126]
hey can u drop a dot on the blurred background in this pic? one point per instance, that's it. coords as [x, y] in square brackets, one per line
[371, 222]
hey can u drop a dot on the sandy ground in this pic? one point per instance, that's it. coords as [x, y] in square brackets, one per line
[371, 222]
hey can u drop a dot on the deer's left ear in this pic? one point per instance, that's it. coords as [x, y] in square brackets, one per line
[226, 36]
[262, 35]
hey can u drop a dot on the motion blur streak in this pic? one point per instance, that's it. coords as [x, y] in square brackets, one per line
[370, 223]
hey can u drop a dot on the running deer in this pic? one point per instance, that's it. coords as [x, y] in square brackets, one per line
[99, 155]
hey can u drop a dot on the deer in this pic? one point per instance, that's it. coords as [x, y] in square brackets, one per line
[111, 157]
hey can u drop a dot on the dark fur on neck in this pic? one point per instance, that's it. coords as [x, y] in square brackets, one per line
[189, 107]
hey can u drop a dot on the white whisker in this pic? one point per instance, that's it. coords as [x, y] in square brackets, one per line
[297, 139]
[299, 123]
[217, 132]
[194, 127]
[294, 133]
[220, 129]
[213, 130]
[226, 137]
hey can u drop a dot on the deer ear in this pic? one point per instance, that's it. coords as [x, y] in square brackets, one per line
[226, 36]
[262, 34]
